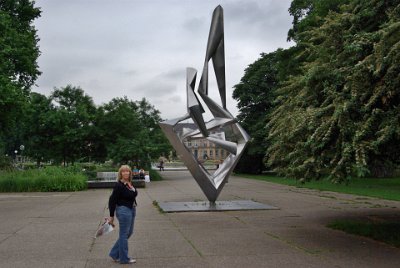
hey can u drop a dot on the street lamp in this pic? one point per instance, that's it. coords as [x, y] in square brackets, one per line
[22, 148]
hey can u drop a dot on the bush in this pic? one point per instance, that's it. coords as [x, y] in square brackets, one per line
[90, 169]
[154, 175]
[49, 179]
[250, 164]
[5, 163]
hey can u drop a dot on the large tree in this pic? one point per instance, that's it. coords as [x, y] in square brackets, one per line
[256, 100]
[254, 96]
[310, 14]
[340, 116]
[129, 131]
[18, 64]
[38, 129]
[153, 139]
[72, 123]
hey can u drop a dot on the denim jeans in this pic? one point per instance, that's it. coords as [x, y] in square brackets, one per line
[126, 219]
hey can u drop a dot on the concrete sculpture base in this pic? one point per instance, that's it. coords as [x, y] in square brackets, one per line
[207, 206]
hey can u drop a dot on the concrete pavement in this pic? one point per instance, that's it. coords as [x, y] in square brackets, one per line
[57, 229]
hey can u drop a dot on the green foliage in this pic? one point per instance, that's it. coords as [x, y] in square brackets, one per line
[340, 114]
[5, 163]
[130, 131]
[67, 128]
[254, 95]
[90, 169]
[18, 40]
[309, 14]
[38, 128]
[385, 188]
[383, 230]
[71, 124]
[155, 175]
[49, 179]
[18, 67]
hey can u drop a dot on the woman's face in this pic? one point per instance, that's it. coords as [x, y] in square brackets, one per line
[125, 174]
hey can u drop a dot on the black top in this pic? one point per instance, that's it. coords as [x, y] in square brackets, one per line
[121, 196]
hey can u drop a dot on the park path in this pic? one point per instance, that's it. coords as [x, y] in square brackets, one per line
[56, 229]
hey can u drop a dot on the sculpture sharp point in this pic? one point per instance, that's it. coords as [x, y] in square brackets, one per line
[211, 184]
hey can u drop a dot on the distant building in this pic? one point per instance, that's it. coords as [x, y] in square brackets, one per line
[202, 149]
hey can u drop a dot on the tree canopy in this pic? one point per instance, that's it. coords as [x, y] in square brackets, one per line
[337, 113]
[254, 95]
[68, 127]
[18, 63]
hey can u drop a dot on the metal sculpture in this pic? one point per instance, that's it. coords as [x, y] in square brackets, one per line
[211, 184]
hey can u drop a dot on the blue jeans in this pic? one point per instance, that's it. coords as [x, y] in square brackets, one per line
[126, 219]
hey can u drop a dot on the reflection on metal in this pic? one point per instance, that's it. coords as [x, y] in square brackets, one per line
[211, 184]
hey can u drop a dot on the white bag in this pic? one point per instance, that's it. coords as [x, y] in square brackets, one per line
[147, 178]
[105, 228]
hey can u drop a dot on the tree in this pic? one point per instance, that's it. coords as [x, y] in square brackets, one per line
[254, 95]
[72, 123]
[38, 128]
[153, 139]
[18, 63]
[117, 124]
[310, 14]
[130, 132]
[257, 99]
[340, 115]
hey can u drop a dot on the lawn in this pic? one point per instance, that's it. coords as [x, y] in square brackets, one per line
[387, 231]
[385, 188]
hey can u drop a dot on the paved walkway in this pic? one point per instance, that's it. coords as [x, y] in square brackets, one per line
[56, 229]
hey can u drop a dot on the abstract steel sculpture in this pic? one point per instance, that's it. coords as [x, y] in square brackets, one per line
[211, 184]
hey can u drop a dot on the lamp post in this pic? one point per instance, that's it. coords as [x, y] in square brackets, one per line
[22, 148]
[15, 159]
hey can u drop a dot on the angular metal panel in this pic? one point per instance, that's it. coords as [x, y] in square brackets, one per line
[211, 184]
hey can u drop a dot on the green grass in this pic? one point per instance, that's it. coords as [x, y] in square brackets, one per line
[49, 179]
[155, 203]
[181, 164]
[385, 188]
[385, 231]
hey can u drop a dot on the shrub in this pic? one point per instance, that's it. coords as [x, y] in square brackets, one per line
[49, 179]
[154, 175]
[5, 163]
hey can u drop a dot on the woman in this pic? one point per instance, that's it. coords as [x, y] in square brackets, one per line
[123, 202]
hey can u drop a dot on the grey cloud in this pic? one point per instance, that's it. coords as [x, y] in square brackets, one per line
[178, 73]
[131, 72]
[142, 48]
[154, 89]
[265, 22]
[175, 99]
[194, 25]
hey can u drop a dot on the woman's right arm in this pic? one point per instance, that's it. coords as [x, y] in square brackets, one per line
[112, 202]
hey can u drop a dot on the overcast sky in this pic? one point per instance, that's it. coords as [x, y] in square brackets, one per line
[116, 48]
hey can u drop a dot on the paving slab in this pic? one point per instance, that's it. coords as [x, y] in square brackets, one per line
[207, 206]
[57, 229]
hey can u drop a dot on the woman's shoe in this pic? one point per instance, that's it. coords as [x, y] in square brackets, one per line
[131, 260]
[114, 260]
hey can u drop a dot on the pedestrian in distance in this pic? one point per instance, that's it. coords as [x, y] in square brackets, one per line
[122, 203]
[161, 165]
